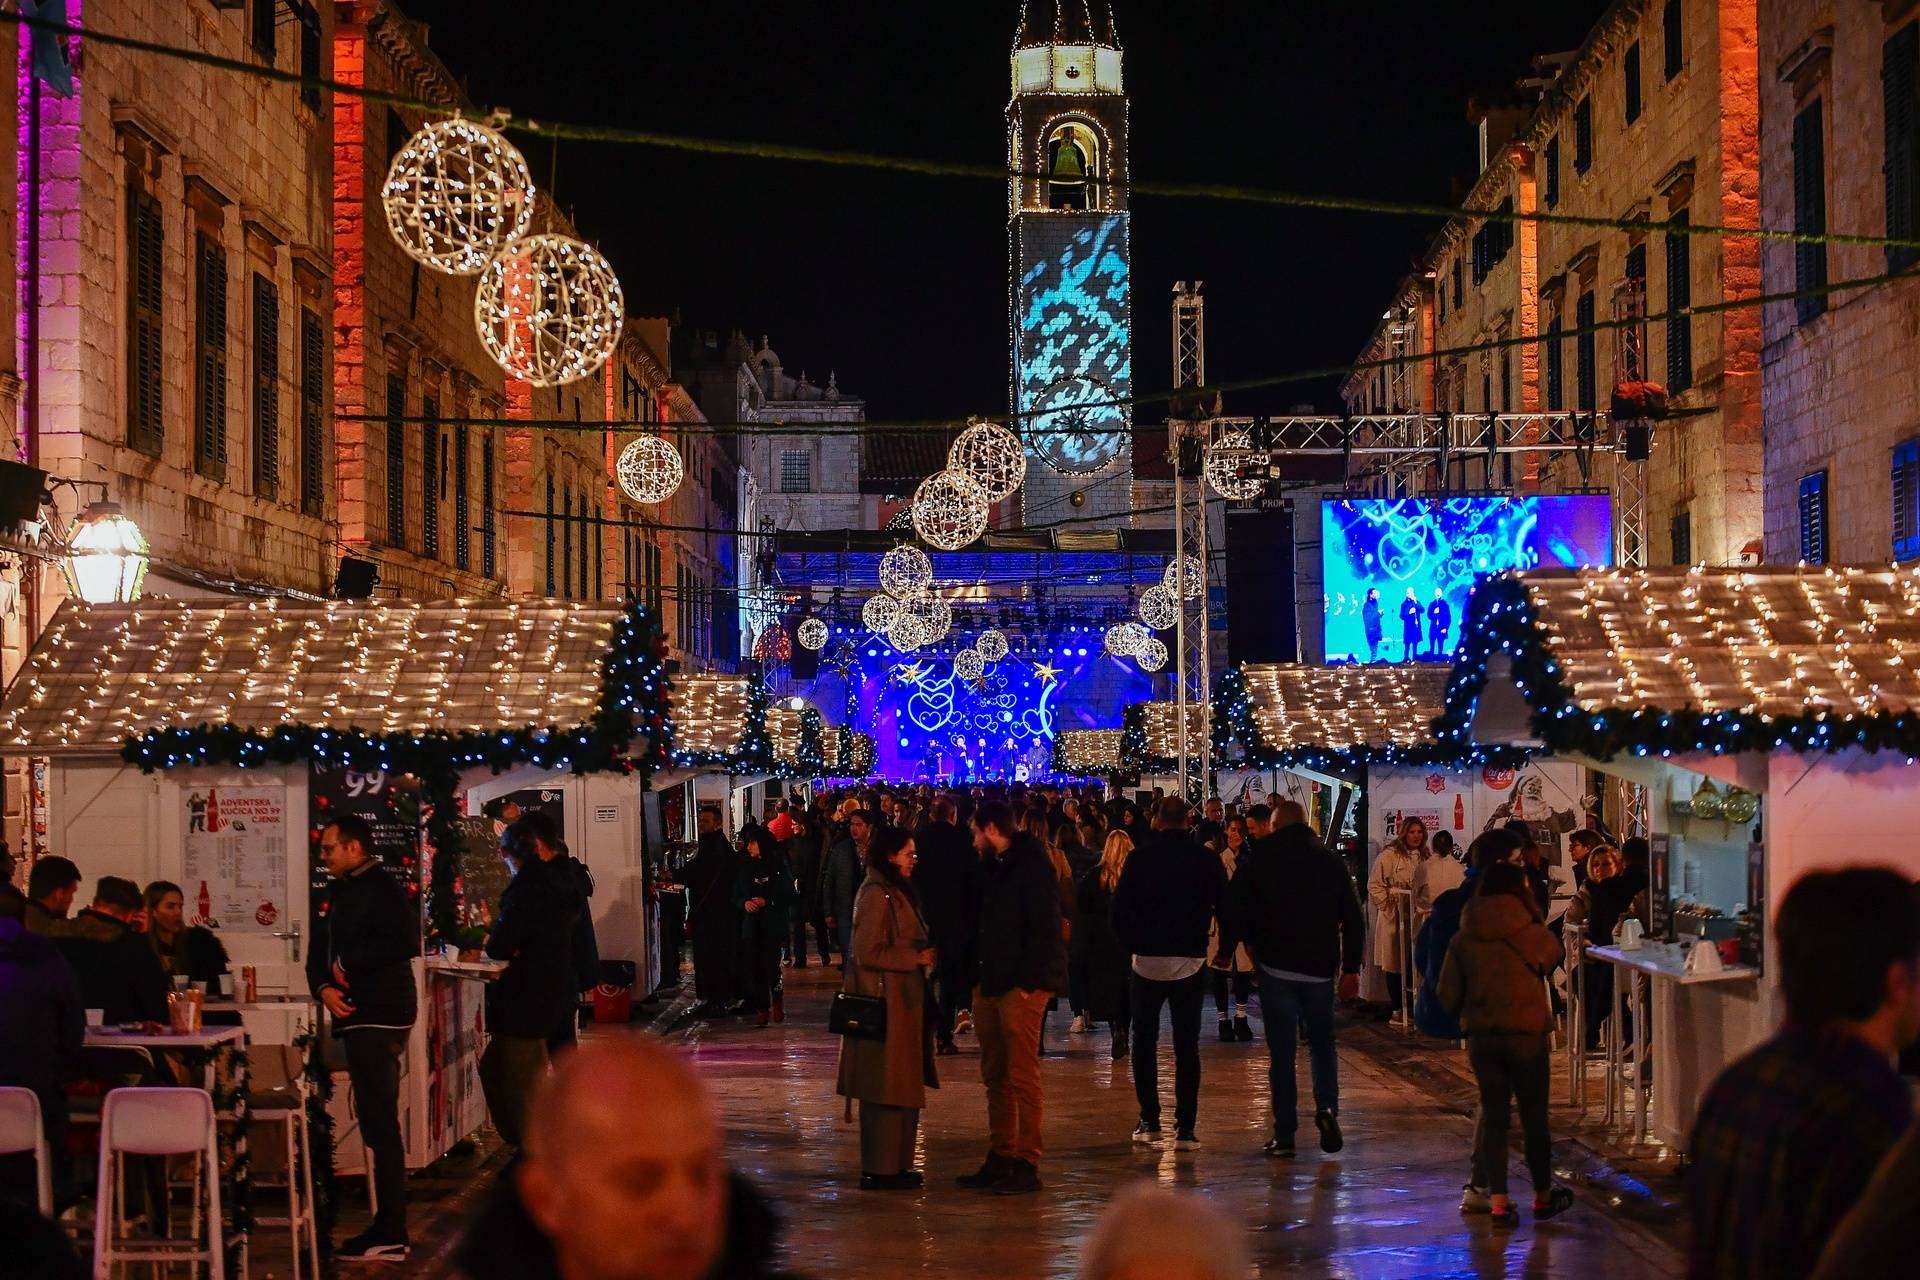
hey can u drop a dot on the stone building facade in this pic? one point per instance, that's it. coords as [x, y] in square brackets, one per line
[1652, 121]
[1838, 86]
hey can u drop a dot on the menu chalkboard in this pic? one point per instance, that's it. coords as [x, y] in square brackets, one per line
[483, 872]
[1660, 888]
[390, 806]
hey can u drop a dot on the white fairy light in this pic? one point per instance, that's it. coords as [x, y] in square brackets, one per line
[812, 634]
[934, 616]
[904, 632]
[1152, 655]
[1158, 608]
[992, 645]
[456, 195]
[992, 457]
[950, 510]
[878, 612]
[969, 665]
[549, 310]
[1124, 639]
[649, 470]
[1226, 460]
[905, 572]
[1192, 583]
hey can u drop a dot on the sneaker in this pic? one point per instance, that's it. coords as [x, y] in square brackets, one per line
[1226, 1029]
[1556, 1202]
[1242, 1029]
[1329, 1126]
[1147, 1131]
[1079, 1027]
[1474, 1199]
[372, 1246]
[988, 1173]
[1186, 1141]
[1507, 1217]
[1020, 1178]
[1279, 1148]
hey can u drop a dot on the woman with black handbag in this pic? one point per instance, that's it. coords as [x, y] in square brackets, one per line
[887, 1068]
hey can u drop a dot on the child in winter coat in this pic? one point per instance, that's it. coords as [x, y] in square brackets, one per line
[1492, 981]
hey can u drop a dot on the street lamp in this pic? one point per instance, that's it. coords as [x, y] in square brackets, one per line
[107, 556]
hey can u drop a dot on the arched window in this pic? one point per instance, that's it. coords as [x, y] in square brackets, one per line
[1073, 167]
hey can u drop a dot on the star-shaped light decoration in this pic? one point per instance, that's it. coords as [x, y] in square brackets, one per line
[1048, 674]
[910, 674]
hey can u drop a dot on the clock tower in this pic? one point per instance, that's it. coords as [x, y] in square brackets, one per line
[1071, 282]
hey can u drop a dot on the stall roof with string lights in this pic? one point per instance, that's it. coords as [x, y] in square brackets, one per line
[1286, 713]
[1088, 752]
[731, 721]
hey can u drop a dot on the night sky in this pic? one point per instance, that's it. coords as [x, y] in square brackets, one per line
[898, 282]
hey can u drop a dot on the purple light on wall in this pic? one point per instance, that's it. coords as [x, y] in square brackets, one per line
[60, 131]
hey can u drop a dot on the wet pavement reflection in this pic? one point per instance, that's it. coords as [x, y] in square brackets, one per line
[1386, 1206]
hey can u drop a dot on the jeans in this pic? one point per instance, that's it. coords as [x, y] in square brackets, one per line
[373, 1067]
[1008, 1026]
[1241, 985]
[1185, 998]
[1284, 1004]
[1516, 1066]
[760, 965]
[510, 1067]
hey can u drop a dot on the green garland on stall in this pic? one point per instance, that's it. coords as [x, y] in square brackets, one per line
[843, 755]
[754, 754]
[1134, 755]
[1501, 621]
[326, 1192]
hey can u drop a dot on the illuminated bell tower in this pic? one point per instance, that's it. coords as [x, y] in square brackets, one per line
[1070, 289]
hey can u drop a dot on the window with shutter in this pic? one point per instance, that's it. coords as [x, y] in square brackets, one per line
[310, 57]
[1682, 535]
[1583, 135]
[566, 541]
[489, 565]
[1813, 518]
[1673, 38]
[1456, 282]
[1551, 164]
[313, 384]
[1809, 210]
[210, 308]
[146, 427]
[430, 479]
[1679, 298]
[553, 583]
[266, 387]
[263, 15]
[396, 462]
[1906, 500]
[1586, 354]
[599, 552]
[462, 513]
[1630, 72]
[1899, 85]
[1555, 400]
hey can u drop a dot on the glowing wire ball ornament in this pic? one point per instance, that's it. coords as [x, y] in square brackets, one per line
[904, 632]
[549, 310]
[969, 665]
[456, 195]
[905, 572]
[992, 645]
[934, 616]
[1124, 639]
[950, 510]
[1192, 583]
[812, 634]
[1225, 461]
[992, 457]
[1153, 655]
[878, 612]
[649, 470]
[1158, 608]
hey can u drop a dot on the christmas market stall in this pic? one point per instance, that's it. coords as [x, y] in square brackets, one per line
[1770, 719]
[207, 742]
[1088, 753]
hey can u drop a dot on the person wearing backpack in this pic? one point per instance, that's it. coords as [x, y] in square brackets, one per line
[1492, 981]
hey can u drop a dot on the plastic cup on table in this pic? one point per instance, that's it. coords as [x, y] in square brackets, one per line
[96, 1019]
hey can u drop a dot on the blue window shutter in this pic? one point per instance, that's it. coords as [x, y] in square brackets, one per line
[1813, 518]
[1906, 500]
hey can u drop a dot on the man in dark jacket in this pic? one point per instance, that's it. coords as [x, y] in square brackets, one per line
[1293, 905]
[533, 933]
[596, 1196]
[947, 878]
[1021, 960]
[805, 854]
[1163, 910]
[118, 972]
[713, 923]
[51, 887]
[41, 1026]
[584, 946]
[361, 968]
[840, 879]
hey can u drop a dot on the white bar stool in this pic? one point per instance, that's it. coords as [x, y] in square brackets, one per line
[157, 1122]
[283, 1101]
[21, 1132]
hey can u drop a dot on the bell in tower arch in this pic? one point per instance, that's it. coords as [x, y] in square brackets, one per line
[1069, 166]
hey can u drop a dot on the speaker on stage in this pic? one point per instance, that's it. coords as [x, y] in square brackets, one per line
[1262, 621]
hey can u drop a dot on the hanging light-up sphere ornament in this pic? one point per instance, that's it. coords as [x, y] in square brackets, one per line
[992, 457]
[1152, 655]
[1227, 462]
[812, 634]
[1185, 577]
[549, 310]
[969, 665]
[456, 195]
[992, 645]
[904, 632]
[878, 612]
[107, 556]
[905, 572]
[1124, 639]
[649, 470]
[1158, 608]
[950, 510]
[934, 616]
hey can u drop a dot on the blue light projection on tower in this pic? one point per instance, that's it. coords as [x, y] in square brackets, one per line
[1074, 338]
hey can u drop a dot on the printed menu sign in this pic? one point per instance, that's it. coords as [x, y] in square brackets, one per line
[235, 876]
[390, 806]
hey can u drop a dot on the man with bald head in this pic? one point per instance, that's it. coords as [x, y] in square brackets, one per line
[622, 1178]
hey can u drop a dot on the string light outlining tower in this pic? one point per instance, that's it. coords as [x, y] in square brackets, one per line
[950, 510]
[549, 310]
[456, 195]
[649, 470]
[992, 457]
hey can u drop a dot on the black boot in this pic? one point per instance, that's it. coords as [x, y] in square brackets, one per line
[1119, 1043]
[1242, 1029]
[1226, 1028]
[988, 1173]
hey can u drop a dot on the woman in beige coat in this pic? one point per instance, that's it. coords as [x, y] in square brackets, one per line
[889, 1078]
[1393, 869]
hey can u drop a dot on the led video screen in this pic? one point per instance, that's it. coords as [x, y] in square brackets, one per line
[1398, 571]
[1073, 340]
